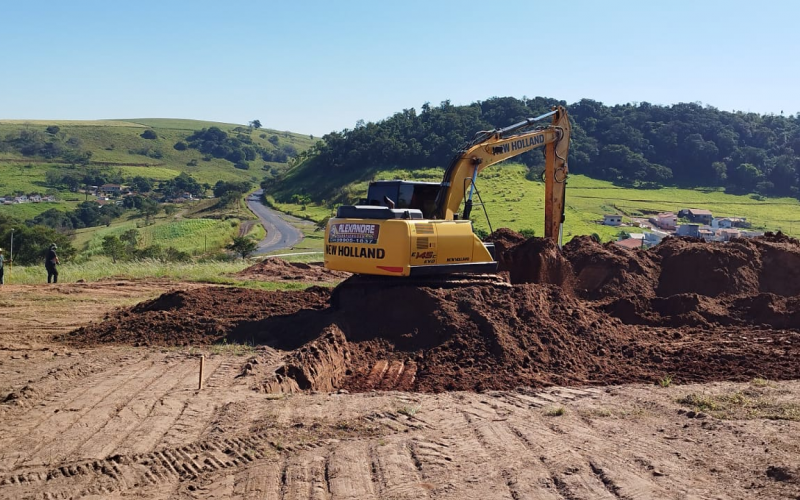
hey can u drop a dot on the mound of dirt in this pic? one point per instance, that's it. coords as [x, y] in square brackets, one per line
[780, 264]
[603, 270]
[693, 310]
[272, 269]
[536, 260]
[711, 269]
[196, 317]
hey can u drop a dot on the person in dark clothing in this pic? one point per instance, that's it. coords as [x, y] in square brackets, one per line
[2, 261]
[50, 263]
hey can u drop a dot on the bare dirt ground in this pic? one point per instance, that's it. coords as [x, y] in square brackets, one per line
[113, 410]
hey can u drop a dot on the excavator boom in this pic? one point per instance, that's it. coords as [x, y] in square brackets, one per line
[489, 148]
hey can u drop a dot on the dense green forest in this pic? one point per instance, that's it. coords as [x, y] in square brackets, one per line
[637, 145]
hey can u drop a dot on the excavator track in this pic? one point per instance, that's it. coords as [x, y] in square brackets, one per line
[357, 287]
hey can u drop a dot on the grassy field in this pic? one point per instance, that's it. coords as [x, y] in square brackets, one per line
[217, 272]
[195, 236]
[514, 202]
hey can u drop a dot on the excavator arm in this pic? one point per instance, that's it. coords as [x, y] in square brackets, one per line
[489, 148]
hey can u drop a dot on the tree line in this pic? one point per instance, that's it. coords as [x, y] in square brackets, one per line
[636, 144]
[238, 149]
[51, 144]
[32, 241]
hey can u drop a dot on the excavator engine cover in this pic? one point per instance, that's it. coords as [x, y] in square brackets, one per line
[399, 242]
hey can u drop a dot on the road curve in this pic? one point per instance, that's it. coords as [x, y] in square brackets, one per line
[280, 234]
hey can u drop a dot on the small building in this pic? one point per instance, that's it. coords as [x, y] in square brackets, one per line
[111, 188]
[721, 223]
[612, 220]
[740, 222]
[727, 234]
[665, 220]
[654, 238]
[699, 216]
[688, 230]
[630, 243]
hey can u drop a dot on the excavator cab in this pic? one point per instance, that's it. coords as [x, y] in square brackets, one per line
[404, 194]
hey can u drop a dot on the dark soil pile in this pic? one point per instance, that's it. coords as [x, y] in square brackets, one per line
[688, 309]
[536, 260]
[603, 270]
[690, 282]
[199, 316]
[504, 239]
[710, 269]
[276, 269]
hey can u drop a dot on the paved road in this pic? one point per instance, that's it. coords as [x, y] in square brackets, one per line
[280, 234]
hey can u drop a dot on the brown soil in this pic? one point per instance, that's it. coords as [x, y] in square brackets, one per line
[114, 421]
[197, 317]
[633, 316]
[276, 269]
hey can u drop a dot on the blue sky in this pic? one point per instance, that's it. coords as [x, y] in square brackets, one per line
[317, 66]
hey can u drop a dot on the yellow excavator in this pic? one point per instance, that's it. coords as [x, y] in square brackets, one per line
[415, 228]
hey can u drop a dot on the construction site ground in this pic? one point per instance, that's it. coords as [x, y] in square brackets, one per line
[564, 385]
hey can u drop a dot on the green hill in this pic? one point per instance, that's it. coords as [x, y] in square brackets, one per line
[61, 160]
[29, 149]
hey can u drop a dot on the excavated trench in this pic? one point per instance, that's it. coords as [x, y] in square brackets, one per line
[590, 314]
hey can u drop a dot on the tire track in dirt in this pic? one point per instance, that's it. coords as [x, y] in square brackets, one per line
[182, 414]
[588, 473]
[396, 472]
[156, 468]
[491, 438]
[54, 381]
[624, 469]
[96, 415]
[137, 410]
[350, 473]
[195, 416]
[41, 426]
[538, 459]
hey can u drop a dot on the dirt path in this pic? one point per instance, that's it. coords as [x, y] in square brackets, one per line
[119, 421]
[245, 227]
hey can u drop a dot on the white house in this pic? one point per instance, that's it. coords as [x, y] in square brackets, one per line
[612, 220]
[666, 220]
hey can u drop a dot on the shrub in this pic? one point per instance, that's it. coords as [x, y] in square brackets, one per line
[180, 146]
[149, 134]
